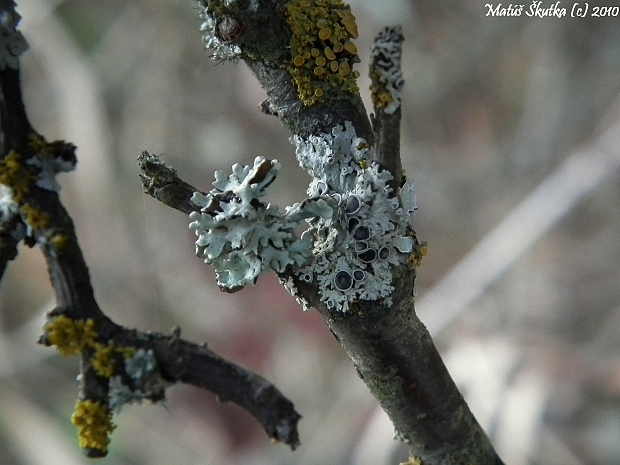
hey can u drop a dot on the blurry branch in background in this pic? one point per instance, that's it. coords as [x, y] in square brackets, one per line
[528, 222]
[118, 365]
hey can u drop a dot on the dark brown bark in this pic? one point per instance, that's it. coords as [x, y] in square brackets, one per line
[177, 360]
[389, 346]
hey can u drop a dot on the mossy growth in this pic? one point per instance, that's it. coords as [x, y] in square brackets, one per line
[16, 175]
[322, 51]
[59, 242]
[74, 336]
[94, 423]
[70, 336]
[379, 96]
[419, 251]
[36, 218]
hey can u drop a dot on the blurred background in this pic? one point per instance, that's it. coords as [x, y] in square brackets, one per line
[511, 130]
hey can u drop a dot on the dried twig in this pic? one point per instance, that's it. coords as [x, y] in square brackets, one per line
[118, 365]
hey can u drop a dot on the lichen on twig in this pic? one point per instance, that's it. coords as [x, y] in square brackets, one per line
[118, 365]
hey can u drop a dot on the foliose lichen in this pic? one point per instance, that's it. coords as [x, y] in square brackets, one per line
[139, 367]
[289, 284]
[386, 71]
[356, 248]
[322, 51]
[239, 235]
[358, 229]
[221, 50]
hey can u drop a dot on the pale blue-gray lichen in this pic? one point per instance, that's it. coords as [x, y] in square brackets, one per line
[356, 248]
[49, 167]
[141, 364]
[9, 213]
[221, 51]
[386, 70]
[240, 236]
[212, 37]
[357, 232]
[139, 367]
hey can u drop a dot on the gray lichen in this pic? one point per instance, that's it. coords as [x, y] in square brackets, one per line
[221, 50]
[12, 42]
[240, 236]
[386, 70]
[355, 249]
[357, 229]
[49, 167]
[143, 382]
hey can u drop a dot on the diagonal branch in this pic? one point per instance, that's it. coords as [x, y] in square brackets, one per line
[117, 365]
[162, 183]
[361, 274]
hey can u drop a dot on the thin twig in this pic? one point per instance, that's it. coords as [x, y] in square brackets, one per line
[110, 354]
[386, 86]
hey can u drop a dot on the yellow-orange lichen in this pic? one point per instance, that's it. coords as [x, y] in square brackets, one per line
[16, 175]
[70, 336]
[59, 242]
[350, 47]
[322, 54]
[325, 33]
[40, 145]
[74, 336]
[420, 251]
[94, 423]
[103, 360]
[36, 218]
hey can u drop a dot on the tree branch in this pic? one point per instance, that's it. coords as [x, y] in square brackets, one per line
[360, 271]
[162, 183]
[117, 365]
[385, 90]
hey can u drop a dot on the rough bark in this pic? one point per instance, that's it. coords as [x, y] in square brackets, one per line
[390, 348]
[31, 211]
